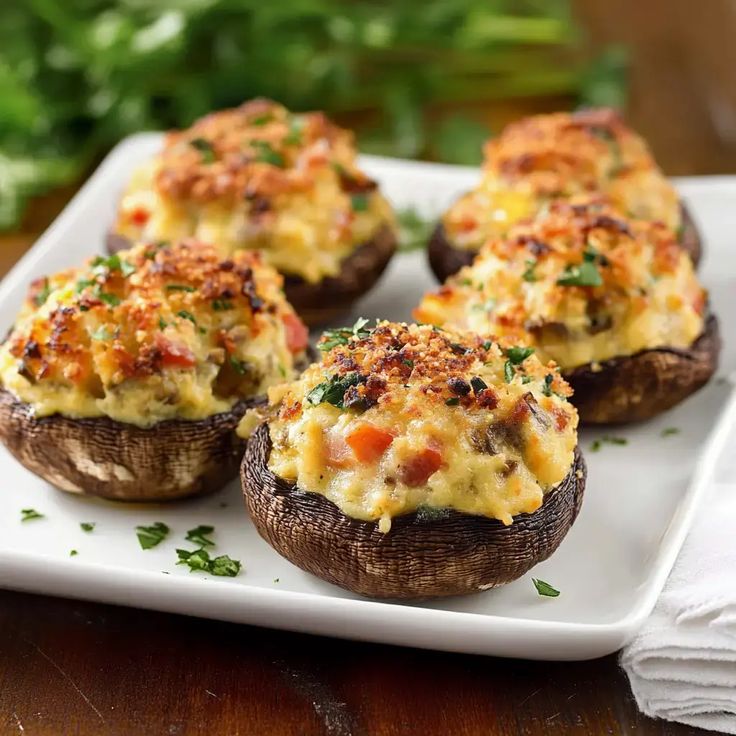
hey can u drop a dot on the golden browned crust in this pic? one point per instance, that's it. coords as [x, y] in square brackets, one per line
[258, 149]
[445, 259]
[319, 303]
[109, 459]
[637, 387]
[448, 554]
[322, 302]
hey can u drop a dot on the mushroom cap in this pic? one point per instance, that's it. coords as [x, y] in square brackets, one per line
[445, 259]
[102, 457]
[422, 556]
[323, 301]
[320, 302]
[635, 387]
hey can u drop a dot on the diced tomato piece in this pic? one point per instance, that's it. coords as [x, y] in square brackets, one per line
[174, 354]
[368, 442]
[467, 224]
[139, 216]
[337, 453]
[416, 470]
[297, 335]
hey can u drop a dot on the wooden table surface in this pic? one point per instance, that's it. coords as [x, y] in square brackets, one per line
[68, 667]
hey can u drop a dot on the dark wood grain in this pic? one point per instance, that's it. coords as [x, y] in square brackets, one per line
[79, 668]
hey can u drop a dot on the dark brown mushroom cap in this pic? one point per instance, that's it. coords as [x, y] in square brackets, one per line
[447, 553]
[102, 457]
[636, 387]
[321, 302]
[445, 259]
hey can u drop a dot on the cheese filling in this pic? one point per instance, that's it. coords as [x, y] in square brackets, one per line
[547, 157]
[259, 178]
[403, 419]
[151, 334]
[579, 283]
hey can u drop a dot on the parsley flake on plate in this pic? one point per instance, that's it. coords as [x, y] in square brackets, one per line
[30, 514]
[150, 536]
[87, 526]
[199, 560]
[199, 535]
[545, 589]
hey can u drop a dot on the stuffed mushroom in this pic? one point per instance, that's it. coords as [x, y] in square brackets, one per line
[613, 301]
[258, 177]
[414, 462]
[127, 378]
[547, 157]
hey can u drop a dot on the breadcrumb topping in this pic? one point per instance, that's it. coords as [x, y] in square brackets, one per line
[579, 282]
[397, 417]
[155, 317]
[546, 157]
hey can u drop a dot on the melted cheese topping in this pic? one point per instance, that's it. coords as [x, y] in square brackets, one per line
[580, 284]
[547, 157]
[151, 334]
[259, 177]
[404, 417]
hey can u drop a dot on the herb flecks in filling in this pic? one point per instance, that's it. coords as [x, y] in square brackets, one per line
[398, 416]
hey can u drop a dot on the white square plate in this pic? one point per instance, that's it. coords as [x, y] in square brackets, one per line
[639, 502]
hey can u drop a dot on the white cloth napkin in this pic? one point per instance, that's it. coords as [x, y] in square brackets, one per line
[682, 664]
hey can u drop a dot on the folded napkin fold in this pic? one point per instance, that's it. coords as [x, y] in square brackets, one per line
[682, 664]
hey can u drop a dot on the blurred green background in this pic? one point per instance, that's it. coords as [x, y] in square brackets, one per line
[425, 79]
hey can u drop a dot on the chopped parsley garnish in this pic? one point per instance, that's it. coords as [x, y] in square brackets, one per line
[186, 315]
[239, 366]
[205, 149]
[43, 295]
[179, 287]
[669, 431]
[359, 202]
[221, 305]
[508, 371]
[199, 561]
[452, 401]
[101, 265]
[82, 284]
[478, 384]
[297, 123]
[585, 274]
[608, 440]
[87, 526]
[198, 535]
[547, 387]
[529, 274]
[407, 361]
[162, 325]
[545, 589]
[109, 299]
[150, 536]
[487, 344]
[30, 514]
[517, 355]
[267, 155]
[261, 120]
[73, 553]
[101, 333]
[343, 335]
[333, 391]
